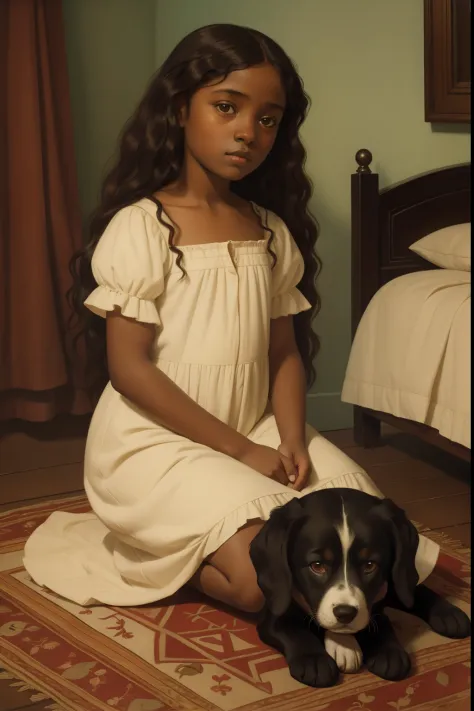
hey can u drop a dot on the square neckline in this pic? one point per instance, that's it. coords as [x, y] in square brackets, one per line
[203, 245]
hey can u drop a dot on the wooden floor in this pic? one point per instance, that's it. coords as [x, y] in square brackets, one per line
[43, 462]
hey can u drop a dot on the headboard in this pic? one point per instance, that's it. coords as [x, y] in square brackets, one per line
[385, 223]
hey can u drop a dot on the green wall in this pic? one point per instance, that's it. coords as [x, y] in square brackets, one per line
[111, 56]
[362, 64]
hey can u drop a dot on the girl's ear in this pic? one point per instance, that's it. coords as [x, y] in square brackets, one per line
[182, 111]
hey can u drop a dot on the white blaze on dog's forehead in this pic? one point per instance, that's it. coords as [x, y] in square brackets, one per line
[336, 595]
[342, 592]
[346, 537]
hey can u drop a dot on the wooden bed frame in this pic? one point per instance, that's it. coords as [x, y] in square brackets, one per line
[384, 224]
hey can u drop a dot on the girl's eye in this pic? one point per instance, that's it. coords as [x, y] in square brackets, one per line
[225, 108]
[268, 121]
[369, 567]
[319, 568]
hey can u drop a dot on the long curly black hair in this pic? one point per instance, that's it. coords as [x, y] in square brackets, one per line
[150, 157]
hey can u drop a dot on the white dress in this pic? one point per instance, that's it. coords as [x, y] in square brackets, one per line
[162, 503]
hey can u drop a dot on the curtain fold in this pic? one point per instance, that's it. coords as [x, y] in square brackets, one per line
[41, 374]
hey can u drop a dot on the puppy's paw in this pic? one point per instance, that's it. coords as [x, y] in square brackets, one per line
[345, 650]
[318, 670]
[390, 662]
[449, 621]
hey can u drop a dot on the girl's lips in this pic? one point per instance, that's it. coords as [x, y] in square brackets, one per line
[238, 159]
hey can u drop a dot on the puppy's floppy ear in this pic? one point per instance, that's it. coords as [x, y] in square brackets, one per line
[269, 555]
[405, 536]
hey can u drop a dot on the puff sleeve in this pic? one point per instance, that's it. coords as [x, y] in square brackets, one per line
[129, 265]
[286, 298]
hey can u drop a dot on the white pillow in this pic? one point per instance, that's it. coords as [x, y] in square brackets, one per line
[449, 248]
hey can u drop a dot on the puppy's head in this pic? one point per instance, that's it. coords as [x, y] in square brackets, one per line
[336, 551]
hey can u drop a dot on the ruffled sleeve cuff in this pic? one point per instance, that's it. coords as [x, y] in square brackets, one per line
[290, 303]
[103, 299]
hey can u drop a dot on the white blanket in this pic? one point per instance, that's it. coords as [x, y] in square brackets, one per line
[411, 353]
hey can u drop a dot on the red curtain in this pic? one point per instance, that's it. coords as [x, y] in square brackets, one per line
[40, 220]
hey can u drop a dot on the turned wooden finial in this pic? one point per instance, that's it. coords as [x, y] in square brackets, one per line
[363, 159]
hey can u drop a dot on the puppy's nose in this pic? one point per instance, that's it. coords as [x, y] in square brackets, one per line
[345, 613]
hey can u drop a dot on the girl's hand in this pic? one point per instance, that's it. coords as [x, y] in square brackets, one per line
[269, 462]
[297, 453]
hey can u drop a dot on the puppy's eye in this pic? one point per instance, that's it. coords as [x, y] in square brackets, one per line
[369, 567]
[319, 568]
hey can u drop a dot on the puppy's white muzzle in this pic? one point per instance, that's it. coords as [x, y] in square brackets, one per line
[343, 595]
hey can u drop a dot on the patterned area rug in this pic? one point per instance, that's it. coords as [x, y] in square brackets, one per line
[185, 654]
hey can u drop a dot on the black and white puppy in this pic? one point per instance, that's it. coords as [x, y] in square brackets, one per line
[337, 557]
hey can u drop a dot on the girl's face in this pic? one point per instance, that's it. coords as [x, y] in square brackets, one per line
[240, 114]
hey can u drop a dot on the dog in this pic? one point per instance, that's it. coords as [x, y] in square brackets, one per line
[336, 558]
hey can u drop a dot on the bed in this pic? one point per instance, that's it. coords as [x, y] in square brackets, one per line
[408, 314]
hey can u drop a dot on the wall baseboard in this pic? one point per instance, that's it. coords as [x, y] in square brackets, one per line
[326, 412]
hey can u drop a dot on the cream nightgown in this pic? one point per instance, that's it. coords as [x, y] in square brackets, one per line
[162, 503]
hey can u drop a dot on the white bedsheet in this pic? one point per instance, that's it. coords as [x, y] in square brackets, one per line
[411, 354]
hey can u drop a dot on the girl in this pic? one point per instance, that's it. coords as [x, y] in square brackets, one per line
[202, 262]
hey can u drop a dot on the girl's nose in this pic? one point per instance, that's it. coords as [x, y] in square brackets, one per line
[245, 133]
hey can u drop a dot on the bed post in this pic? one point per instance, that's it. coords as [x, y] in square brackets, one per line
[365, 269]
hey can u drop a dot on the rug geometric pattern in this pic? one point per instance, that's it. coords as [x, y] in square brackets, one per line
[184, 653]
